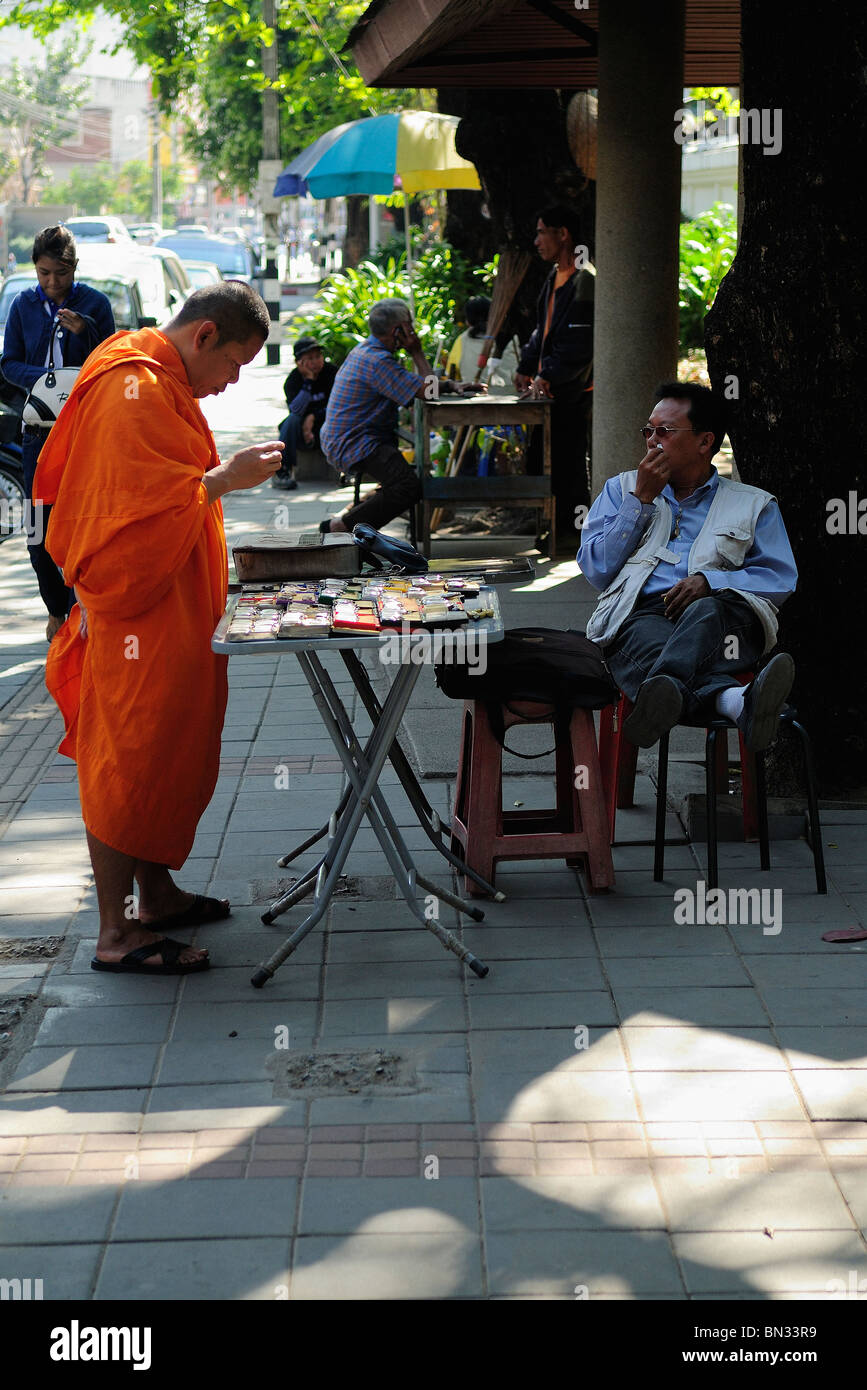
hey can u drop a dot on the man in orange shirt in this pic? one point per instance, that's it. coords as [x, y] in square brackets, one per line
[134, 478]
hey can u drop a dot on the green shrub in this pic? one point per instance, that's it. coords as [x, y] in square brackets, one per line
[442, 282]
[707, 249]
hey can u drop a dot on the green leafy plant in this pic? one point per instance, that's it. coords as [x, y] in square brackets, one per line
[442, 281]
[707, 249]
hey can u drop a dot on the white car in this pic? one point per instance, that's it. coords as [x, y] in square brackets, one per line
[109, 229]
[203, 273]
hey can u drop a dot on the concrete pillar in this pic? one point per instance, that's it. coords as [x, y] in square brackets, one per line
[637, 220]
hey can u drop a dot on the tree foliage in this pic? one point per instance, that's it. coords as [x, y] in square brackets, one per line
[707, 248]
[98, 188]
[35, 106]
[442, 281]
[206, 61]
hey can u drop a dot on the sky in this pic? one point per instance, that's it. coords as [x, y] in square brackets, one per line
[18, 43]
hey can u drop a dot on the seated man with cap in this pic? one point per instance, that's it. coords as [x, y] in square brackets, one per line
[693, 569]
[306, 388]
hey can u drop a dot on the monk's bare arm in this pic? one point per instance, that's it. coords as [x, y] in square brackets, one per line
[245, 469]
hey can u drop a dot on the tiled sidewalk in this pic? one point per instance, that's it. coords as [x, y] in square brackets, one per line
[624, 1105]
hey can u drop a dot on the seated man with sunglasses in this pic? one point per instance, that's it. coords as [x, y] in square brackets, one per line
[693, 568]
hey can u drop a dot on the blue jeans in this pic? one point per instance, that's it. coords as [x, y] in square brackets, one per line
[715, 637]
[58, 599]
[290, 433]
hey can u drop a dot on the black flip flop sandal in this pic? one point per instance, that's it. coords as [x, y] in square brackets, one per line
[200, 911]
[133, 963]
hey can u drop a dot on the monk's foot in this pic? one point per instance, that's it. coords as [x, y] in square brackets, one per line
[115, 943]
[175, 908]
[53, 626]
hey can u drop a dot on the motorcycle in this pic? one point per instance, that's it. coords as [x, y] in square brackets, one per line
[13, 495]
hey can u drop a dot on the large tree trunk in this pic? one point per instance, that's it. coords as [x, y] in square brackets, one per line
[788, 332]
[517, 141]
[356, 240]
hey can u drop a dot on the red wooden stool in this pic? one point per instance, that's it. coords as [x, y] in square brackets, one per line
[576, 829]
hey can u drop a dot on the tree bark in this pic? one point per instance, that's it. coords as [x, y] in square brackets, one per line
[787, 338]
[356, 240]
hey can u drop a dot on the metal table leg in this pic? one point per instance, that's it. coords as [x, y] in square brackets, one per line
[427, 816]
[363, 766]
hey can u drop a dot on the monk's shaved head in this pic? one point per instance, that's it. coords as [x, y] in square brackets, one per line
[236, 309]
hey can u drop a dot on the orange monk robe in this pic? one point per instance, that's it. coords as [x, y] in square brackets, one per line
[142, 694]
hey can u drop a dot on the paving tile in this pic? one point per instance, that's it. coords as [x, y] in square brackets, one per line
[789, 1200]
[224, 1061]
[366, 947]
[144, 1023]
[235, 1105]
[592, 1008]
[67, 1273]
[818, 1007]
[824, 1048]
[507, 1050]
[694, 1049]
[57, 1216]
[530, 943]
[73, 1112]
[83, 1068]
[573, 1096]
[674, 971]
[560, 1262]
[797, 1262]
[331, 1206]
[224, 1208]
[650, 941]
[293, 981]
[834, 1094]
[396, 1016]
[571, 1203]
[707, 1007]
[442, 1263]
[717, 1095]
[195, 1270]
[422, 1109]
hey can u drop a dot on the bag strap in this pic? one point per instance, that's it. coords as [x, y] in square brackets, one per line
[498, 727]
[54, 327]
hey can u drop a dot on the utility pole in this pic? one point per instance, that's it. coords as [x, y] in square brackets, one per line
[156, 167]
[269, 168]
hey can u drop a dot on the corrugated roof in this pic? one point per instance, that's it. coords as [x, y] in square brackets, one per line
[521, 43]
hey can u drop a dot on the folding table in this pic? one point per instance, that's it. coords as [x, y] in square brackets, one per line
[363, 765]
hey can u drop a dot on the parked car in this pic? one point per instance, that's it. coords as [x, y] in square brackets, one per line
[144, 232]
[203, 273]
[234, 259]
[120, 286]
[192, 229]
[162, 290]
[178, 283]
[98, 229]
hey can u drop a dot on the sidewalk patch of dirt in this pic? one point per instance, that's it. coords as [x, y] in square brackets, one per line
[12, 1011]
[350, 1072]
[15, 951]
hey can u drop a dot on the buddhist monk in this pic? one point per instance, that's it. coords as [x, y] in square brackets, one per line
[136, 526]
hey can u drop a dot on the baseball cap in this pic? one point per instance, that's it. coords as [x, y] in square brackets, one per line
[304, 345]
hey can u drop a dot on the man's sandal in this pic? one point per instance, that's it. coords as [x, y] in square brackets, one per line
[133, 963]
[200, 911]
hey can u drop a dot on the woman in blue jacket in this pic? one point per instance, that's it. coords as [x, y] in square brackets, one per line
[82, 318]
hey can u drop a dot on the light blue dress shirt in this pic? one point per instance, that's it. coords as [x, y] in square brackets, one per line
[616, 526]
